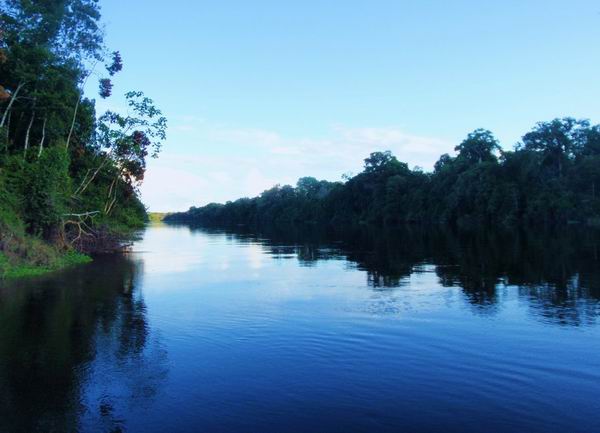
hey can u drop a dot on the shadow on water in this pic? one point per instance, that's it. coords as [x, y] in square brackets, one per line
[59, 335]
[556, 273]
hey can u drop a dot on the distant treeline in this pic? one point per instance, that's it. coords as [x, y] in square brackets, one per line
[551, 177]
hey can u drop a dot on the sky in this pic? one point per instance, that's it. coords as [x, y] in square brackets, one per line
[259, 93]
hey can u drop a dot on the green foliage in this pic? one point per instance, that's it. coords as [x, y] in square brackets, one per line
[45, 190]
[70, 28]
[478, 147]
[66, 176]
[131, 138]
[553, 178]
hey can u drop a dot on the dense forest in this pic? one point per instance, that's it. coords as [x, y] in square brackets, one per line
[551, 178]
[69, 176]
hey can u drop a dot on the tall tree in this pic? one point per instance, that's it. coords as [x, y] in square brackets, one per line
[558, 140]
[479, 146]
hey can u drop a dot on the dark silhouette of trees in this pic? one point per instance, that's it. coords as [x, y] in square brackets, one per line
[479, 146]
[552, 177]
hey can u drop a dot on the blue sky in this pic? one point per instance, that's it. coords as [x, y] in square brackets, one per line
[263, 92]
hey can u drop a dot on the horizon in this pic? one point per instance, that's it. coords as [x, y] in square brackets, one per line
[267, 93]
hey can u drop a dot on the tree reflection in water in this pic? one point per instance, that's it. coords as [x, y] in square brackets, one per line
[556, 273]
[66, 340]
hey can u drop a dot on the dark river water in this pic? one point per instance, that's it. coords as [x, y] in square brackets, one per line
[200, 330]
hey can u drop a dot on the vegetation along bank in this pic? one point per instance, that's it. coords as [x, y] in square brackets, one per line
[69, 176]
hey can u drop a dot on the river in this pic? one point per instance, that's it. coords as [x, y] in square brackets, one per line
[219, 331]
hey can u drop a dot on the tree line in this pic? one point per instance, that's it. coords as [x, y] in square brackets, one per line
[68, 176]
[551, 177]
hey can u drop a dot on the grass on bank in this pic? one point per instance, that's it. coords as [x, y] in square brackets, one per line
[23, 255]
[12, 270]
[157, 217]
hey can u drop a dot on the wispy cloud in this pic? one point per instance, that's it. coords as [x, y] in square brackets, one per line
[219, 163]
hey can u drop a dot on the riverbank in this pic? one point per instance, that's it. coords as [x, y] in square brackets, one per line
[157, 217]
[22, 255]
[11, 270]
[25, 255]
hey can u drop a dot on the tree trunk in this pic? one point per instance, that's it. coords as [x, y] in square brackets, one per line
[86, 182]
[43, 138]
[73, 121]
[12, 100]
[7, 131]
[27, 133]
[560, 168]
[111, 199]
[77, 105]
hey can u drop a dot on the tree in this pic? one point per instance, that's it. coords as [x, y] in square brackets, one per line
[307, 186]
[591, 144]
[46, 45]
[473, 188]
[558, 140]
[479, 146]
[378, 160]
[126, 141]
[444, 161]
[69, 28]
[48, 49]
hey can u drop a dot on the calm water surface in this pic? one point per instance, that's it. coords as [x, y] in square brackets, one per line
[199, 330]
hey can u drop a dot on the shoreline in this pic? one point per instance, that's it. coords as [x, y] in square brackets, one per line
[33, 257]
[10, 271]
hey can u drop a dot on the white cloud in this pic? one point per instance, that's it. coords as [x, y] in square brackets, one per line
[216, 163]
[414, 149]
[255, 182]
[176, 189]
